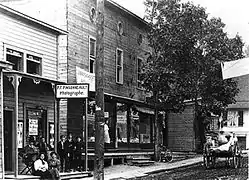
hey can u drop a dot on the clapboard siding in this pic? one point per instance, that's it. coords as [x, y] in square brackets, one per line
[131, 50]
[80, 28]
[181, 131]
[24, 36]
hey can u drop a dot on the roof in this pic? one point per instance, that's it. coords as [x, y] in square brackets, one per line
[11, 12]
[127, 11]
[239, 105]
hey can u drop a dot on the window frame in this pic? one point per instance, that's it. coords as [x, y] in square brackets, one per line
[139, 82]
[121, 77]
[24, 52]
[90, 57]
[240, 118]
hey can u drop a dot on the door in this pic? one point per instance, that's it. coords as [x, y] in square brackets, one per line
[8, 134]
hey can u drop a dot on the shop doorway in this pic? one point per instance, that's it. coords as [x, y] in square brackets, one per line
[8, 135]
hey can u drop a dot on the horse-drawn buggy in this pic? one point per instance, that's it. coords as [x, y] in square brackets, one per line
[214, 149]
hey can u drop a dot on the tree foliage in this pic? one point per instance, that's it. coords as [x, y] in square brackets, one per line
[187, 49]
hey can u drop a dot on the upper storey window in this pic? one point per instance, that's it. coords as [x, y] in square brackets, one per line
[33, 64]
[16, 58]
[139, 72]
[92, 54]
[24, 61]
[119, 66]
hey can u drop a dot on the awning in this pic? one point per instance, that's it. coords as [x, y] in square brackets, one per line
[145, 110]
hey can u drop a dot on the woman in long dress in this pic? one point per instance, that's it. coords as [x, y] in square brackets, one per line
[106, 132]
[54, 166]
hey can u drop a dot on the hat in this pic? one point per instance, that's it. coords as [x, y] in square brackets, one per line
[52, 153]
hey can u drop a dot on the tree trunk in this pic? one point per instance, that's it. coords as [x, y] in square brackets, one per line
[156, 130]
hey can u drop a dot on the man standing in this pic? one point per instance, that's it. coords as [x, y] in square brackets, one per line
[69, 150]
[61, 151]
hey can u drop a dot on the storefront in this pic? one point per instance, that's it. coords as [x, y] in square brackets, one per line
[130, 125]
[29, 105]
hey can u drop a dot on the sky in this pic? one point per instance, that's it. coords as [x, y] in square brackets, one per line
[234, 13]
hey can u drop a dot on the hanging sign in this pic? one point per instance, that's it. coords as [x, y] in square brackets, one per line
[72, 91]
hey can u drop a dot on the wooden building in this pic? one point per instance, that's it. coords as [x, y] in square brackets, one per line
[29, 107]
[125, 48]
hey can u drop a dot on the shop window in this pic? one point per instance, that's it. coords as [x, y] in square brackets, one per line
[122, 122]
[119, 66]
[16, 58]
[33, 64]
[134, 131]
[92, 54]
[36, 124]
[91, 120]
[145, 128]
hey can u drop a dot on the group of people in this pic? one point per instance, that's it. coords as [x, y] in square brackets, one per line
[47, 169]
[69, 157]
[224, 141]
[71, 153]
[43, 166]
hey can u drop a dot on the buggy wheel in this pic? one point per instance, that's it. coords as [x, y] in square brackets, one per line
[236, 161]
[168, 155]
[207, 160]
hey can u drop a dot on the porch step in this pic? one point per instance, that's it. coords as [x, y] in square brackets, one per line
[139, 160]
[75, 175]
[177, 156]
[142, 163]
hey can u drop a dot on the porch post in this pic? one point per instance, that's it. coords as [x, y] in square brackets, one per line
[86, 134]
[15, 82]
[2, 125]
[56, 117]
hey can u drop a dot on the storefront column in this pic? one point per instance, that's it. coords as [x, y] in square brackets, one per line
[15, 80]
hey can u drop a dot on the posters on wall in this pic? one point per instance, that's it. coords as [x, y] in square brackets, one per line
[51, 135]
[20, 134]
[33, 127]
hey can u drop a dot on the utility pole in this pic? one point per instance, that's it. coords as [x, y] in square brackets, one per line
[99, 96]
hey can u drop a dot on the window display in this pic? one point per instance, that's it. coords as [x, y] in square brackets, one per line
[121, 122]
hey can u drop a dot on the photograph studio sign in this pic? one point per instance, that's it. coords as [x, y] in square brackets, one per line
[72, 91]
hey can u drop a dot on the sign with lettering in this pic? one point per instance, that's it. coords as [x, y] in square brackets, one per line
[72, 91]
[33, 127]
[83, 76]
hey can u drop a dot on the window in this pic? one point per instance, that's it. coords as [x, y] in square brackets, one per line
[16, 58]
[92, 55]
[24, 61]
[139, 72]
[120, 28]
[234, 119]
[119, 66]
[33, 64]
[121, 122]
[240, 119]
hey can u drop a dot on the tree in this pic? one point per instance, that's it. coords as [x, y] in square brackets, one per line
[187, 49]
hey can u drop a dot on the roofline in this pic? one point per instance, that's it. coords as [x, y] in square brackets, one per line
[127, 11]
[33, 20]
